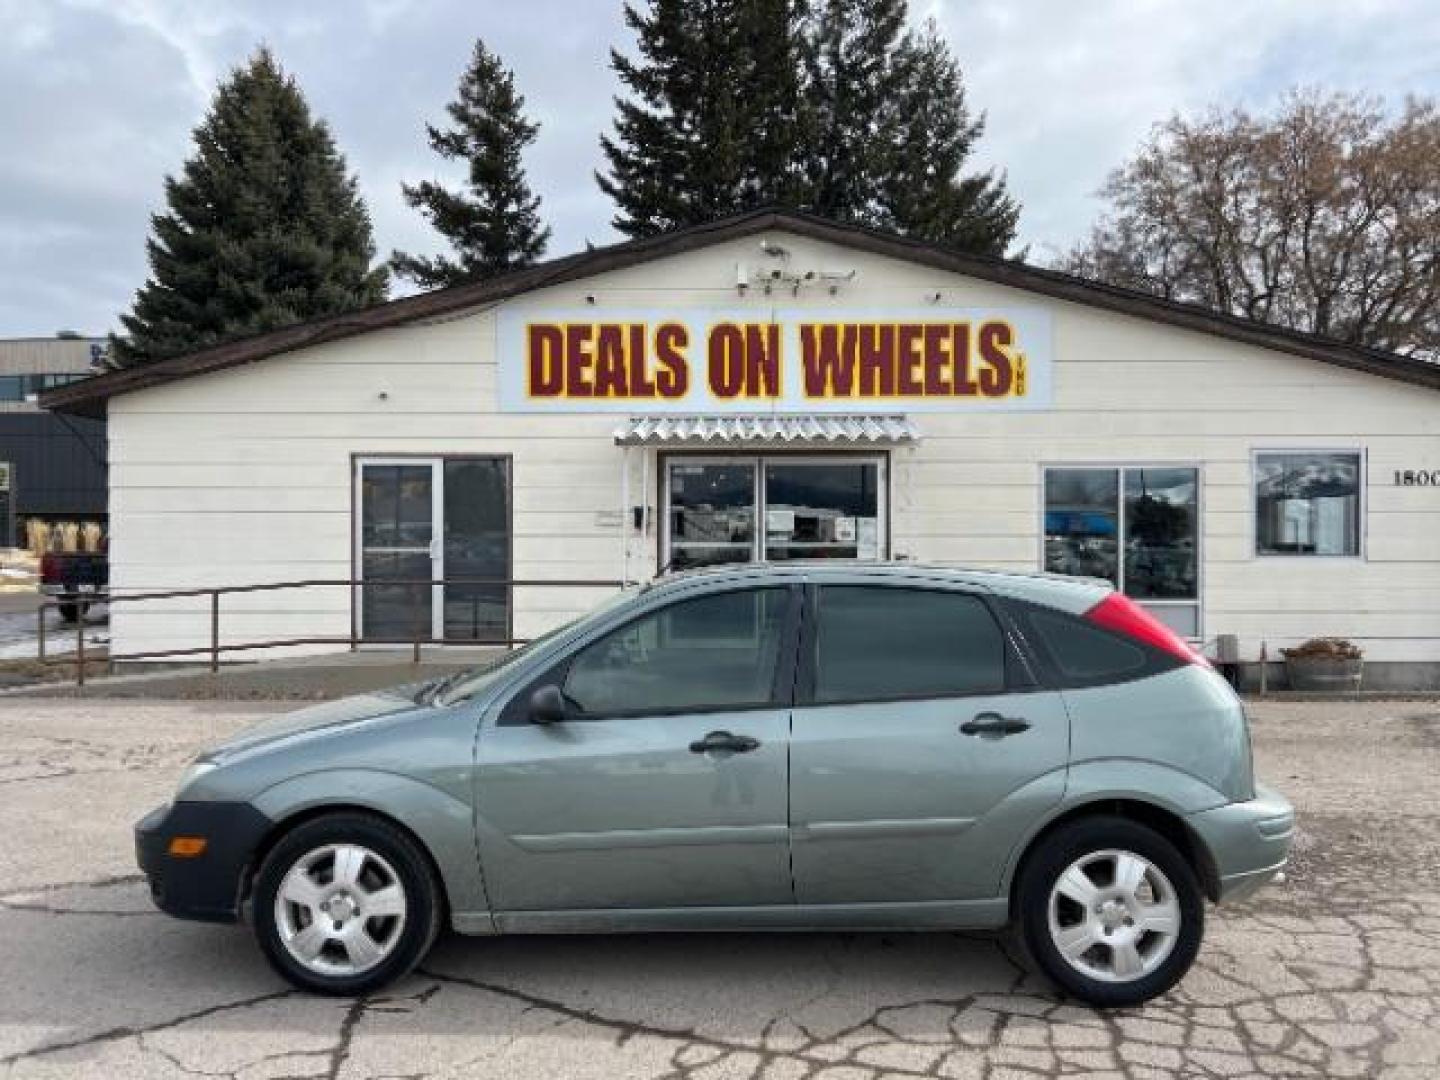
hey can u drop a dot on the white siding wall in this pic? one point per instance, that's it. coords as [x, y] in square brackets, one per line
[245, 476]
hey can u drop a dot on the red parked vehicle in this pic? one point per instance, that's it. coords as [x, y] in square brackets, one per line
[77, 578]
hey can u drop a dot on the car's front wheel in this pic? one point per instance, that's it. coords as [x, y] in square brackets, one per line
[1110, 911]
[345, 904]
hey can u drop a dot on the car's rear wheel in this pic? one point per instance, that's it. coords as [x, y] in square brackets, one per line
[345, 904]
[71, 610]
[1110, 911]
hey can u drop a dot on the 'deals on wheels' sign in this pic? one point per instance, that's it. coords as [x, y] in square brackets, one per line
[801, 360]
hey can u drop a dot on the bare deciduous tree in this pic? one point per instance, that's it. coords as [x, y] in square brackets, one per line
[1323, 217]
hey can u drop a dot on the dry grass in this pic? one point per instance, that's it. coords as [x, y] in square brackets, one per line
[58, 668]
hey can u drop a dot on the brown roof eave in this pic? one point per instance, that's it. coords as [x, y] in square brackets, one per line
[88, 396]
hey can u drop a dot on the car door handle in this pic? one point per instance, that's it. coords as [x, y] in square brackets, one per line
[992, 723]
[723, 740]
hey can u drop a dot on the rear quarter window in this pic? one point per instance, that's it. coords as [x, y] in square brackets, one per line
[1085, 655]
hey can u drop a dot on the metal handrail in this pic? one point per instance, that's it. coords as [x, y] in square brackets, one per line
[353, 639]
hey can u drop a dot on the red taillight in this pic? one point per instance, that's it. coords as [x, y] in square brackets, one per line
[1120, 614]
[48, 573]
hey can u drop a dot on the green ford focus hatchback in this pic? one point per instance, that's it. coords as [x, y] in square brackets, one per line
[796, 747]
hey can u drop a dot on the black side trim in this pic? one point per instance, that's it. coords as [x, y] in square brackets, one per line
[206, 887]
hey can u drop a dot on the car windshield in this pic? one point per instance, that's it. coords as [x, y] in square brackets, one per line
[468, 683]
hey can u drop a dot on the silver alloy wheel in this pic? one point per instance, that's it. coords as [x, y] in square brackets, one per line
[340, 909]
[1114, 916]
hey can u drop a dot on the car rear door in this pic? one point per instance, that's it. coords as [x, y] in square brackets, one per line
[921, 747]
[665, 786]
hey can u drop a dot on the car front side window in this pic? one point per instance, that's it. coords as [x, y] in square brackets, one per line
[718, 651]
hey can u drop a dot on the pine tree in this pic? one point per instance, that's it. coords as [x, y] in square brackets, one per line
[711, 126]
[770, 41]
[852, 79]
[829, 106]
[923, 192]
[494, 225]
[264, 227]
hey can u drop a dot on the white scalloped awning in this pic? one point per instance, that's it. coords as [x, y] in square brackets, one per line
[853, 430]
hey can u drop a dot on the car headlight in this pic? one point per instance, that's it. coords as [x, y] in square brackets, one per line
[196, 769]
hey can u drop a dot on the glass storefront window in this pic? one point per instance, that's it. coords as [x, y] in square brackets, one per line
[818, 511]
[712, 513]
[1082, 523]
[1136, 526]
[1160, 533]
[1307, 503]
[772, 508]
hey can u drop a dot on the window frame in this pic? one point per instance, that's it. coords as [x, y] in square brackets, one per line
[1019, 673]
[782, 687]
[1362, 511]
[1120, 468]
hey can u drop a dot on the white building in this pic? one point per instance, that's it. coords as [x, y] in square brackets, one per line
[774, 386]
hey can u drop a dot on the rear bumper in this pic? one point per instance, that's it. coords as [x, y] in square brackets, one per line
[1248, 842]
[206, 887]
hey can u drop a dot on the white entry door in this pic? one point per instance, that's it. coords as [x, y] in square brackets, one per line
[432, 548]
[398, 548]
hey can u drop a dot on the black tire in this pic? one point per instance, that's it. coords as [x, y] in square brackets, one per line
[70, 611]
[422, 894]
[1061, 849]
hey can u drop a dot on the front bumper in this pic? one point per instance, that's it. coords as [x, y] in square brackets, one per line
[206, 887]
[1248, 842]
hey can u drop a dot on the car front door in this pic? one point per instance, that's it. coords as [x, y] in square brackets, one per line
[920, 748]
[665, 785]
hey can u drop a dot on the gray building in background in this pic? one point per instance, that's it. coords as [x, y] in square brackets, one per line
[52, 467]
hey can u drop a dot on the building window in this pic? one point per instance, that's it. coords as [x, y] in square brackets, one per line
[749, 509]
[1082, 522]
[20, 387]
[1307, 503]
[1137, 526]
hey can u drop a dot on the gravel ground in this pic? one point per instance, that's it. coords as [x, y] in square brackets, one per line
[1335, 973]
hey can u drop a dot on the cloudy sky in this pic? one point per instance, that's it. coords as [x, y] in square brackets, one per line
[98, 98]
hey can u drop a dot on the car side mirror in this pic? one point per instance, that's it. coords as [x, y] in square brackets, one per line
[547, 705]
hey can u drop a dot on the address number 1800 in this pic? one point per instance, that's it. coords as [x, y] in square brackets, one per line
[1417, 477]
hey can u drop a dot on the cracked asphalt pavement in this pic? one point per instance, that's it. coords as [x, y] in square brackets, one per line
[1334, 973]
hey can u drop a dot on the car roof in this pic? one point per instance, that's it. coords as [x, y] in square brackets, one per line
[1054, 590]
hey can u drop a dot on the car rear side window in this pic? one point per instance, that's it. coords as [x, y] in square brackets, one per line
[713, 652]
[873, 643]
[1087, 654]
